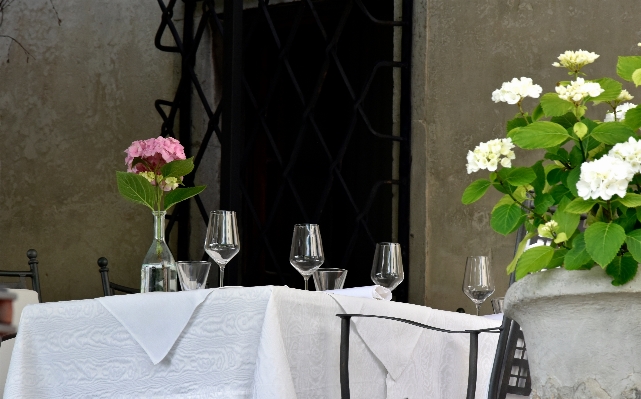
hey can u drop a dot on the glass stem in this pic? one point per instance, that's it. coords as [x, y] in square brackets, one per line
[306, 279]
[222, 275]
[478, 308]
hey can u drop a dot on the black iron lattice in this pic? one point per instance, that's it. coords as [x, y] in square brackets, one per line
[238, 146]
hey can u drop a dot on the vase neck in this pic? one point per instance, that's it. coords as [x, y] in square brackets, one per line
[159, 225]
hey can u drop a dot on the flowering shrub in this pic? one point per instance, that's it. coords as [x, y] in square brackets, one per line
[156, 167]
[590, 167]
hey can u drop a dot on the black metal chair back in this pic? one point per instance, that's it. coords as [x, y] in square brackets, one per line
[108, 287]
[473, 358]
[32, 273]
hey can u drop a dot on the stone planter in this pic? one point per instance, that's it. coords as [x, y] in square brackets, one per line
[583, 335]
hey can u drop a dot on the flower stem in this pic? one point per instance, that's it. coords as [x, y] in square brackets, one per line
[522, 113]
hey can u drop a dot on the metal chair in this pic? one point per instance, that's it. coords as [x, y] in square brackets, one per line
[344, 350]
[32, 273]
[108, 287]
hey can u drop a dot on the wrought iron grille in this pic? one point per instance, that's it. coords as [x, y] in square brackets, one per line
[307, 134]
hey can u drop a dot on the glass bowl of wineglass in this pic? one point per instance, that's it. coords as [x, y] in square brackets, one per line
[221, 241]
[306, 254]
[387, 267]
[477, 283]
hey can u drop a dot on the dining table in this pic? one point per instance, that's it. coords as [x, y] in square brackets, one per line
[265, 342]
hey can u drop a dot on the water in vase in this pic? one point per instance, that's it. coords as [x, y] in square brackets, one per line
[156, 277]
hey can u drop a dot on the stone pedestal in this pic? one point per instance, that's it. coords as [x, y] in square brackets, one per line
[583, 335]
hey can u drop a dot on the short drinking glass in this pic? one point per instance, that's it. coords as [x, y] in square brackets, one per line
[306, 254]
[387, 267]
[193, 275]
[478, 284]
[221, 242]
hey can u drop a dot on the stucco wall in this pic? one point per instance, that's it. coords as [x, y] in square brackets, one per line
[463, 51]
[66, 115]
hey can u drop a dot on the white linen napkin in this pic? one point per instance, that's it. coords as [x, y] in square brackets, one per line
[370, 291]
[498, 316]
[155, 319]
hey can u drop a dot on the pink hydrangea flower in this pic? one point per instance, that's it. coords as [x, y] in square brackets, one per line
[156, 152]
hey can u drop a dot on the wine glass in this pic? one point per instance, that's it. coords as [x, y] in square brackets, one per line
[387, 267]
[477, 283]
[306, 254]
[221, 242]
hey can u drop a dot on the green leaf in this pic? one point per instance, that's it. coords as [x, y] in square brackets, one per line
[519, 176]
[622, 269]
[507, 218]
[539, 183]
[627, 65]
[633, 118]
[627, 220]
[568, 222]
[181, 194]
[475, 191]
[603, 241]
[557, 258]
[554, 106]
[555, 176]
[519, 251]
[136, 188]
[505, 189]
[612, 133]
[576, 157]
[542, 202]
[540, 135]
[560, 191]
[537, 113]
[505, 200]
[611, 90]
[178, 168]
[516, 122]
[633, 242]
[636, 77]
[578, 255]
[573, 179]
[630, 200]
[533, 260]
[566, 120]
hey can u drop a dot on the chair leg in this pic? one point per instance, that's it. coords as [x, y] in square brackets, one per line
[32, 254]
[471, 379]
[344, 360]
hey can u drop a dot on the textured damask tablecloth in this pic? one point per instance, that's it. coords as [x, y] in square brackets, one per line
[259, 343]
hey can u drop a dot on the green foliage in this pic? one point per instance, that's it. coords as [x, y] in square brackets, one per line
[181, 194]
[566, 120]
[603, 241]
[573, 179]
[517, 176]
[537, 113]
[559, 191]
[542, 202]
[622, 269]
[557, 258]
[507, 218]
[533, 260]
[539, 183]
[568, 222]
[611, 90]
[578, 255]
[178, 168]
[612, 133]
[136, 188]
[636, 77]
[554, 106]
[630, 200]
[475, 191]
[579, 206]
[519, 251]
[633, 118]
[633, 242]
[626, 66]
[540, 135]
[517, 122]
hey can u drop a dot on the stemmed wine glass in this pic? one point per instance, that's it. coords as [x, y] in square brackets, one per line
[221, 242]
[477, 283]
[306, 254]
[387, 267]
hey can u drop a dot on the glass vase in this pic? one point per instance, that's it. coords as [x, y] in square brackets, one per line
[159, 267]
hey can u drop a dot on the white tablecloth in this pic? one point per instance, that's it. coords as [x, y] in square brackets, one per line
[259, 343]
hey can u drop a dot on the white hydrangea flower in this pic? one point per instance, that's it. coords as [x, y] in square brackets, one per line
[515, 90]
[630, 152]
[624, 96]
[621, 111]
[547, 229]
[603, 178]
[578, 90]
[490, 154]
[575, 60]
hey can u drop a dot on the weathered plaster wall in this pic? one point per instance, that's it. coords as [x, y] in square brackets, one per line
[463, 51]
[67, 112]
